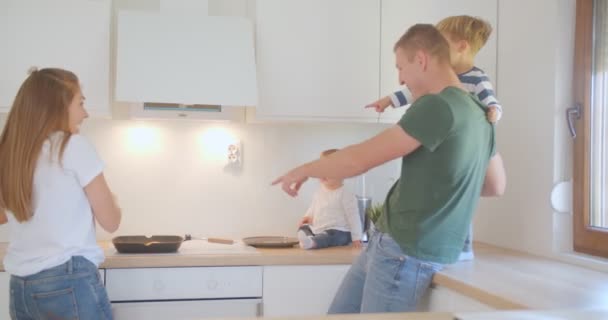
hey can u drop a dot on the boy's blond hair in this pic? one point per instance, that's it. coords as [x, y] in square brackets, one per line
[328, 152]
[473, 30]
[427, 38]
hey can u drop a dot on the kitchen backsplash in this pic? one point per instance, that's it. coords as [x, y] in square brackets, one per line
[173, 177]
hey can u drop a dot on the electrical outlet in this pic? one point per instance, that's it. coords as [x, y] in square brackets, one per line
[234, 152]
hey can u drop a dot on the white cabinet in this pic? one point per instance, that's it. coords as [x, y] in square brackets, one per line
[301, 290]
[317, 59]
[185, 293]
[69, 34]
[102, 275]
[442, 299]
[183, 283]
[195, 309]
[399, 15]
[4, 294]
[183, 58]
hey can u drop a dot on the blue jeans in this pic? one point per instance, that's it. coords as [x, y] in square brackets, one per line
[328, 238]
[73, 290]
[383, 279]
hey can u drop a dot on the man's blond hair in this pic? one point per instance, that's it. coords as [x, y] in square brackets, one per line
[473, 30]
[427, 38]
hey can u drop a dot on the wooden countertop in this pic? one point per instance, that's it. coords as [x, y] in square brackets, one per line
[260, 257]
[561, 314]
[500, 278]
[508, 279]
[374, 316]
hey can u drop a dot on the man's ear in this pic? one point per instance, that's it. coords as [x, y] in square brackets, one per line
[422, 59]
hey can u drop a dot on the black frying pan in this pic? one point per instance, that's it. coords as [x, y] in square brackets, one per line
[157, 244]
[143, 244]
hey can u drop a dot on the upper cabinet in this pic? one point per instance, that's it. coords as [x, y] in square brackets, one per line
[399, 15]
[326, 59]
[185, 58]
[317, 59]
[69, 34]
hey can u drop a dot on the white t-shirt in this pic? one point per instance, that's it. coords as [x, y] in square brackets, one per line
[62, 225]
[335, 209]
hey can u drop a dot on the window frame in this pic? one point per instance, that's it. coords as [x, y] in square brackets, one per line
[587, 239]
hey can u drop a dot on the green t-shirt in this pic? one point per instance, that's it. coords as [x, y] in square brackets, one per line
[429, 209]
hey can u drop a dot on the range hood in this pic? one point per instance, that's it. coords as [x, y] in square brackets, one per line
[168, 61]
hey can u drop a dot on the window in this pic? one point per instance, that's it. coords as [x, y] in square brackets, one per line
[591, 142]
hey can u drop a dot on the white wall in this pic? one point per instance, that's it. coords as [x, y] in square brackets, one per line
[177, 189]
[535, 57]
[170, 176]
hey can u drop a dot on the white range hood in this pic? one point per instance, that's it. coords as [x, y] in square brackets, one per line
[185, 59]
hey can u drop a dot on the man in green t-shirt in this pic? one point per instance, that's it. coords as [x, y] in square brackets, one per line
[448, 160]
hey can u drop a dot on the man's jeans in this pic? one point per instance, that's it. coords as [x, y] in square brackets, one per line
[383, 279]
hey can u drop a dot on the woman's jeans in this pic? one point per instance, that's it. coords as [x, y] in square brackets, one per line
[73, 290]
[383, 279]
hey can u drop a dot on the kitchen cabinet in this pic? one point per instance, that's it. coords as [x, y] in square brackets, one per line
[185, 293]
[399, 15]
[324, 60]
[102, 274]
[69, 34]
[301, 290]
[4, 292]
[442, 299]
[317, 59]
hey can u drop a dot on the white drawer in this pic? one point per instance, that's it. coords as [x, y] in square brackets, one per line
[183, 283]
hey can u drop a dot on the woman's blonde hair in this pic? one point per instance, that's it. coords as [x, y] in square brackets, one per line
[473, 30]
[40, 108]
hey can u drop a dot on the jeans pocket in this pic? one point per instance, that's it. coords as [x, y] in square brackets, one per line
[424, 277]
[59, 304]
[389, 259]
[389, 247]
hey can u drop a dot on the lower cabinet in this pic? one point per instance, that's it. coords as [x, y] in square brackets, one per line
[442, 299]
[185, 293]
[4, 292]
[301, 290]
[249, 291]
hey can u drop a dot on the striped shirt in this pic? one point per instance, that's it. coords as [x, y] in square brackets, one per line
[476, 81]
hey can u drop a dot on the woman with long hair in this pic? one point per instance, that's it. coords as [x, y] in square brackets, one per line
[52, 194]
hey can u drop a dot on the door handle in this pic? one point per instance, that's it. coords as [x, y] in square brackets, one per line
[573, 113]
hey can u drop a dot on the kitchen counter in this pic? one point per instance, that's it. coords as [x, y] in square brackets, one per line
[596, 314]
[259, 257]
[508, 279]
[375, 316]
[499, 278]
